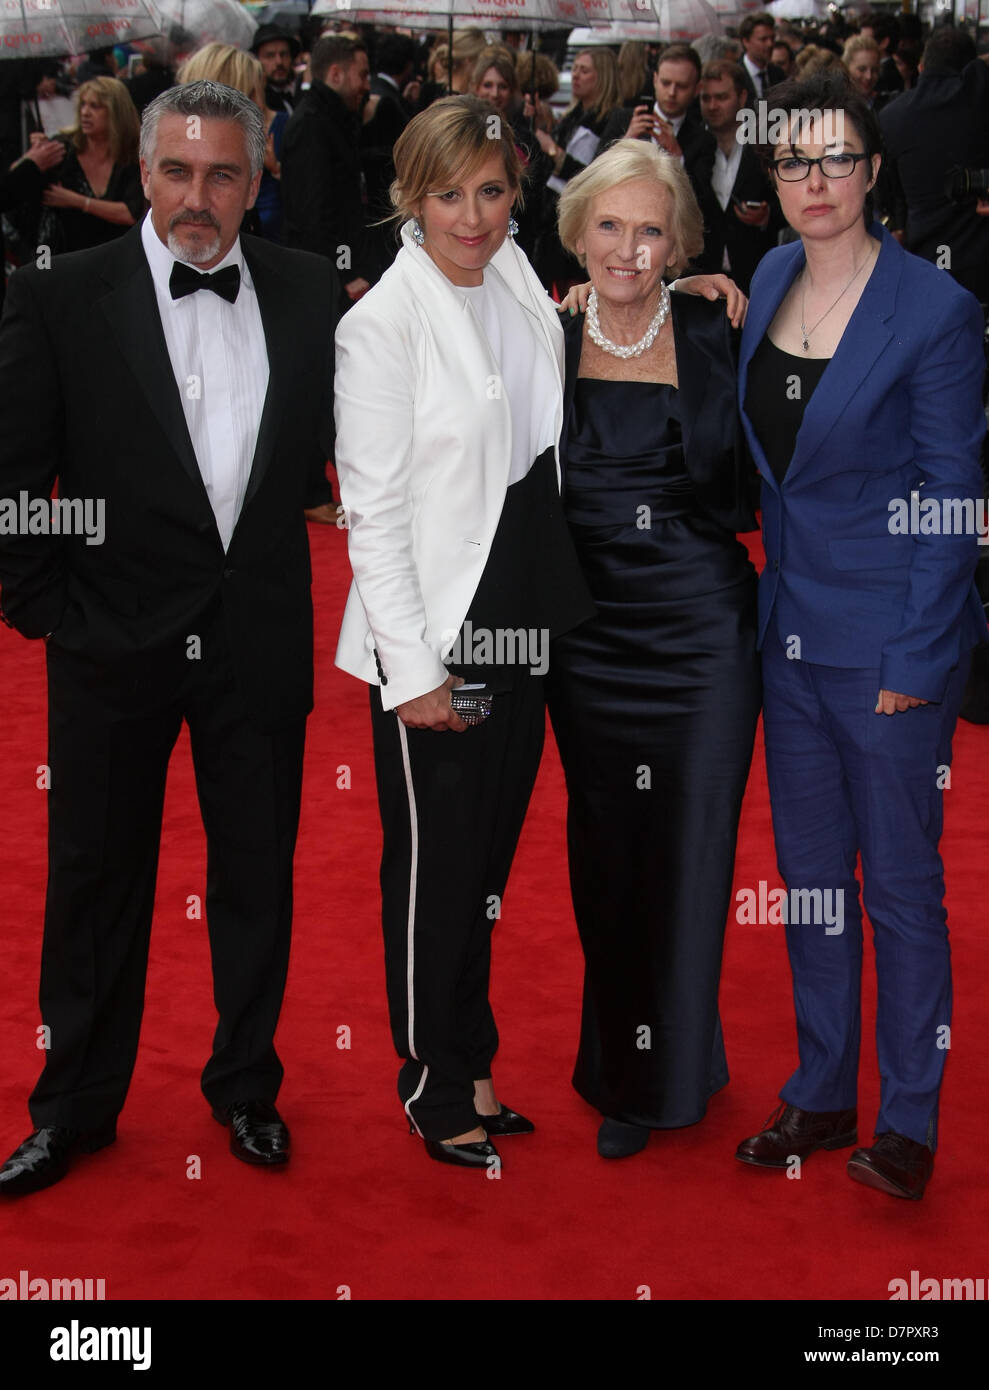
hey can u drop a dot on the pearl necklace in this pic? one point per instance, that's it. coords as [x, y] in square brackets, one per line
[634, 349]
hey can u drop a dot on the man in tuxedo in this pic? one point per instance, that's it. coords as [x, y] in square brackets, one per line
[180, 379]
[741, 211]
[672, 122]
[756, 33]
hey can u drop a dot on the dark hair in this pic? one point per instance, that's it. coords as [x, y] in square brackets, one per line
[679, 53]
[827, 90]
[948, 50]
[395, 52]
[718, 69]
[755, 21]
[883, 26]
[333, 49]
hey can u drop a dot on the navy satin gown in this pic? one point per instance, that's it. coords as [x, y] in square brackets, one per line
[654, 705]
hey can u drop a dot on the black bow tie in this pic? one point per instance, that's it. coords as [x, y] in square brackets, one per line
[184, 280]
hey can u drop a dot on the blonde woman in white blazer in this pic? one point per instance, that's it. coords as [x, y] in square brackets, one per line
[448, 399]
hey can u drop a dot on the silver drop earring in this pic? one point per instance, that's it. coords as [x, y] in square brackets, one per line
[513, 227]
[418, 235]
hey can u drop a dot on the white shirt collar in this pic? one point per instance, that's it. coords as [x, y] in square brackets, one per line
[383, 77]
[675, 121]
[160, 259]
[753, 70]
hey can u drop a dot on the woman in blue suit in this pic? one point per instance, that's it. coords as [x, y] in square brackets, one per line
[860, 382]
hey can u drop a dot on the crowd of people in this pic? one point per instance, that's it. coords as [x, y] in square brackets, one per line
[574, 477]
[335, 102]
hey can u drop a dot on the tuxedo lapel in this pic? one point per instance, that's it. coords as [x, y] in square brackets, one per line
[131, 309]
[273, 297]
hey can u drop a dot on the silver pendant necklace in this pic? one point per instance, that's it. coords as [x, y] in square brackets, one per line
[806, 332]
[633, 349]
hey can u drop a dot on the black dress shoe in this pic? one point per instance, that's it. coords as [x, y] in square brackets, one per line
[481, 1154]
[894, 1164]
[618, 1139]
[794, 1133]
[44, 1157]
[505, 1122]
[258, 1133]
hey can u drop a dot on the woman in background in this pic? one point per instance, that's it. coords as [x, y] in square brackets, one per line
[95, 194]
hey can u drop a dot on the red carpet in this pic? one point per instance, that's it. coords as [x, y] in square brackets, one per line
[361, 1208]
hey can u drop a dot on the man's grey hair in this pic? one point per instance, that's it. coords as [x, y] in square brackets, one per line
[210, 100]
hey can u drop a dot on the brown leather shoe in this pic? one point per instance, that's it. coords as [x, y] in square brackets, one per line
[794, 1133]
[894, 1164]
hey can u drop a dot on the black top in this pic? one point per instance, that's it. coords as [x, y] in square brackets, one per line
[779, 386]
[71, 229]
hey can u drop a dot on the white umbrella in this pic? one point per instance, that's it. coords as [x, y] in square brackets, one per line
[800, 9]
[56, 28]
[668, 18]
[211, 21]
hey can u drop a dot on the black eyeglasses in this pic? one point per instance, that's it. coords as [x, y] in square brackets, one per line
[833, 166]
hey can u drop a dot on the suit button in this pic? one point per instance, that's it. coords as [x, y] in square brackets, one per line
[776, 564]
[384, 680]
[229, 574]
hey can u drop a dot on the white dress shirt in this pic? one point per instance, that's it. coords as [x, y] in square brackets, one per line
[725, 172]
[529, 380]
[220, 361]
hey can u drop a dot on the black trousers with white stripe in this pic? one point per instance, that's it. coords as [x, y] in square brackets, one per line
[452, 807]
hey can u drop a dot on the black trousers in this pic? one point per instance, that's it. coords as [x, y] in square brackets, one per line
[452, 807]
[111, 734]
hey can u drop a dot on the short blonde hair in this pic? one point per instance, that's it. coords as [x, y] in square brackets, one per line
[621, 163]
[445, 143]
[232, 67]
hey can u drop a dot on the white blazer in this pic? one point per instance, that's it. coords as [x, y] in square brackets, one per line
[423, 451]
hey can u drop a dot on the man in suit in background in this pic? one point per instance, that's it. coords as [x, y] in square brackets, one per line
[322, 192]
[756, 33]
[179, 383]
[741, 211]
[941, 125]
[672, 123]
[276, 50]
[392, 112]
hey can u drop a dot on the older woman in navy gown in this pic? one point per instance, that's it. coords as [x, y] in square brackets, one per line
[654, 701]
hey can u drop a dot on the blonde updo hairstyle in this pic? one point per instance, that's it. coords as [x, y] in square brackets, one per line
[621, 163]
[445, 144]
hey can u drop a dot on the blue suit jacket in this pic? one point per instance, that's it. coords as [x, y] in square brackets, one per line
[898, 410]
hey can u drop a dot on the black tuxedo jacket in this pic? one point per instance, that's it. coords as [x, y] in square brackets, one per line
[715, 452]
[746, 246]
[83, 355]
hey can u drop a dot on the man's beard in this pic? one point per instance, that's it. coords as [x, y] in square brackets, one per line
[193, 255]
